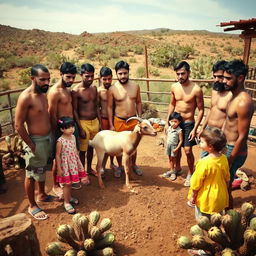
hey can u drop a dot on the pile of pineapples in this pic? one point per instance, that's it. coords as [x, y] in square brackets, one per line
[233, 234]
[84, 237]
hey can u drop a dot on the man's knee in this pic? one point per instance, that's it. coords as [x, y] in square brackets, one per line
[188, 151]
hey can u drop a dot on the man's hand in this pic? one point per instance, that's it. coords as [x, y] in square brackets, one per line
[82, 134]
[192, 135]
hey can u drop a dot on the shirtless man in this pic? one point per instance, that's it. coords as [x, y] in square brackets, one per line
[106, 81]
[32, 109]
[239, 114]
[60, 104]
[125, 94]
[220, 98]
[86, 111]
[185, 98]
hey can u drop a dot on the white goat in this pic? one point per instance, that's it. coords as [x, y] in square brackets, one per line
[120, 143]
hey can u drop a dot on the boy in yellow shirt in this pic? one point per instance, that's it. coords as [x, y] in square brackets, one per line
[209, 183]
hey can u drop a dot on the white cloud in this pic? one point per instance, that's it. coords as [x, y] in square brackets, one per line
[174, 14]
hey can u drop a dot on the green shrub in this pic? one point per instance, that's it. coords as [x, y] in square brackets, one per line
[154, 71]
[4, 85]
[132, 60]
[202, 69]
[140, 72]
[139, 49]
[170, 55]
[25, 77]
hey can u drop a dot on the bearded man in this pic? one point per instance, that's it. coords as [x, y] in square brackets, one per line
[60, 104]
[186, 97]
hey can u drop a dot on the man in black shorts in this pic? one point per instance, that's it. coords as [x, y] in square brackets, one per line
[185, 98]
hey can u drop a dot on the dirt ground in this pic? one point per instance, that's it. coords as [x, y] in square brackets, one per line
[147, 222]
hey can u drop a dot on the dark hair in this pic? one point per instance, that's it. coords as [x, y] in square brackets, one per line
[214, 137]
[68, 68]
[87, 68]
[182, 64]
[65, 122]
[219, 65]
[35, 68]
[122, 64]
[237, 68]
[175, 115]
[105, 71]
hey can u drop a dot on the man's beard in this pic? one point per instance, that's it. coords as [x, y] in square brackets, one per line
[123, 81]
[42, 89]
[218, 86]
[106, 86]
[183, 81]
[66, 84]
[232, 88]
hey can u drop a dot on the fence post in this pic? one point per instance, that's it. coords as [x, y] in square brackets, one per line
[10, 109]
[146, 69]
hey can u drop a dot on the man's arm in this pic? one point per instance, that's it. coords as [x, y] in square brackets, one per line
[20, 119]
[200, 106]
[110, 99]
[53, 99]
[74, 95]
[244, 115]
[205, 122]
[98, 105]
[171, 107]
[138, 103]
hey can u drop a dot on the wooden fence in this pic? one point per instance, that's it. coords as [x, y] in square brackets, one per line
[10, 105]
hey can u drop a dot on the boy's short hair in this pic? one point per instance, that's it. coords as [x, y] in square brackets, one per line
[215, 138]
[219, 65]
[87, 67]
[182, 64]
[236, 68]
[68, 68]
[122, 64]
[105, 71]
[175, 115]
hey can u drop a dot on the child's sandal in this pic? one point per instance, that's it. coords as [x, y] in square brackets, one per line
[74, 201]
[69, 209]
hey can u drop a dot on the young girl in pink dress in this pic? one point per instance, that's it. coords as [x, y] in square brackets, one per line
[69, 167]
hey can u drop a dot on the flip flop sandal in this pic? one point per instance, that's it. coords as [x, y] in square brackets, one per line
[173, 176]
[117, 172]
[74, 201]
[76, 186]
[85, 181]
[187, 181]
[137, 170]
[166, 174]
[69, 209]
[35, 211]
[47, 199]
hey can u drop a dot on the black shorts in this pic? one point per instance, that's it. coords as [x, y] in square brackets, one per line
[187, 127]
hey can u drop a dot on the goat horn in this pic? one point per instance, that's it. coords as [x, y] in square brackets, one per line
[134, 118]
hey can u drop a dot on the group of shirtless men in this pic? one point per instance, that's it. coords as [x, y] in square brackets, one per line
[110, 105]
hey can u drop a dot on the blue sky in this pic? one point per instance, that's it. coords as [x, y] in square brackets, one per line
[118, 15]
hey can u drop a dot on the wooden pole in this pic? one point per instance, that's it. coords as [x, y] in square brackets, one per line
[146, 69]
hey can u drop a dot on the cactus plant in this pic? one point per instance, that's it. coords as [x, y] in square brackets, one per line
[82, 241]
[204, 223]
[234, 237]
[216, 219]
[196, 230]
[94, 217]
[54, 248]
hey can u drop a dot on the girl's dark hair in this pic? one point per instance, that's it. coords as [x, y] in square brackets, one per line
[175, 115]
[65, 122]
[215, 138]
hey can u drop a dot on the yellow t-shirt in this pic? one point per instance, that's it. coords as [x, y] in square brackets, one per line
[210, 179]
